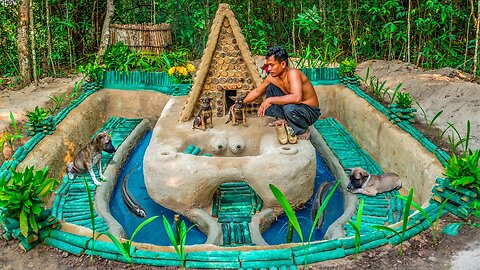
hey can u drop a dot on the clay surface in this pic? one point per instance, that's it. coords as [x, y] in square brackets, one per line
[183, 181]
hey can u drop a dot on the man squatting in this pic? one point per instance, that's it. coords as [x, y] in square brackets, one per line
[290, 96]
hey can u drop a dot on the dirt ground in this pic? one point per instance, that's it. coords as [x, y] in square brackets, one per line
[444, 90]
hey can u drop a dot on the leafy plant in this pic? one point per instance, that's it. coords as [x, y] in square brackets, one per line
[405, 219]
[434, 225]
[356, 227]
[347, 67]
[22, 196]
[404, 100]
[58, 101]
[429, 122]
[37, 117]
[392, 99]
[10, 136]
[182, 239]
[76, 89]
[93, 72]
[292, 218]
[282, 200]
[91, 209]
[365, 80]
[310, 59]
[378, 88]
[125, 248]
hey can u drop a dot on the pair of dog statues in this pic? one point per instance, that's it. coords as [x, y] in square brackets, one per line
[236, 113]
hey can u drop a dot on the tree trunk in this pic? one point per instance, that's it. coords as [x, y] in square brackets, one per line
[477, 26]
[352, 31]
[408, 29]
[32, 43]
[105, 38]
[22, 46]
[49, 39]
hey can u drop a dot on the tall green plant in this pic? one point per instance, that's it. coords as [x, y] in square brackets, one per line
[12, 136]
[22, 196]
[91, 209]
[429, 122]
[125, 247]
[356, 227]
[292, 218]
[178, 245]
[406, 213]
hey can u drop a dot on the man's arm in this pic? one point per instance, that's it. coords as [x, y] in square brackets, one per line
[295, 95]
[257, 92]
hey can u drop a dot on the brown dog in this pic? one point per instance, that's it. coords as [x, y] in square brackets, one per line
[363, 182]
[90, 155]
[203, 115]
[237, 111]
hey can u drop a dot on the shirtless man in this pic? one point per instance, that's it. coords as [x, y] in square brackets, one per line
[290, 96]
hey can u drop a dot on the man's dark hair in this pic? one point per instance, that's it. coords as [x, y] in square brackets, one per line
[279, 54]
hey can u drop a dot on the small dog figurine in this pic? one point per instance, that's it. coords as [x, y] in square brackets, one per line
[89, 156]
[237, 111]
[363, 182]
[204, 115]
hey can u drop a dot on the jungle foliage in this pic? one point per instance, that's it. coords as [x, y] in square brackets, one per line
[431, 33]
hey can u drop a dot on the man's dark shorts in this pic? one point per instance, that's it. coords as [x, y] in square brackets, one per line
[299, 116]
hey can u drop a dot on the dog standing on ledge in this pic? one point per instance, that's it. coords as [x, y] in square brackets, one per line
[205, 113]
[90, 155]
[237, 111]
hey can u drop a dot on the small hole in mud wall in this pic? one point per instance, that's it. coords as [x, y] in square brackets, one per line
[228, 101]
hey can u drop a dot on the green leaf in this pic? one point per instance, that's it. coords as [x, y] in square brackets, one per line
[171, 235]
[287, 208]
[386, 228]
[120, 247]
[33, 222]
[23, 223]
[418, 207]
[145, 222]
[452, 228]
[322, 209]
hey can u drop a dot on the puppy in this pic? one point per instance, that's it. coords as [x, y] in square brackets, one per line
[363, 182]
[89, 156]
[203, 115]
[237, 111]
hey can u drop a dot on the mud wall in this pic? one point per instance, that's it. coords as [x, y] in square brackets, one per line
[391, 147]
[56, 150]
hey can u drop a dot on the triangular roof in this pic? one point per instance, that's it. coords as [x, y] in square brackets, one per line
[223, 13]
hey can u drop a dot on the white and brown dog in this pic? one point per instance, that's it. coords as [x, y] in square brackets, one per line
[90, 155]
[363, 182]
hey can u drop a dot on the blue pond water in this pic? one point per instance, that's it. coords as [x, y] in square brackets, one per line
[154, 232]
[277, 233]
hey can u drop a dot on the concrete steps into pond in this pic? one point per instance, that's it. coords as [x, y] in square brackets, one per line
[383, 209]
[234, 204]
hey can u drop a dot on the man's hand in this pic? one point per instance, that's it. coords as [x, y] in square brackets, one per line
[263, 107]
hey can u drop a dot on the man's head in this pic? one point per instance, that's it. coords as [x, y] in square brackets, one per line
[277, 60]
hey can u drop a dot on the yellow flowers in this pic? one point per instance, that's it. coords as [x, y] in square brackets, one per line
[183, 73]
[190, 68]
[182, 70]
